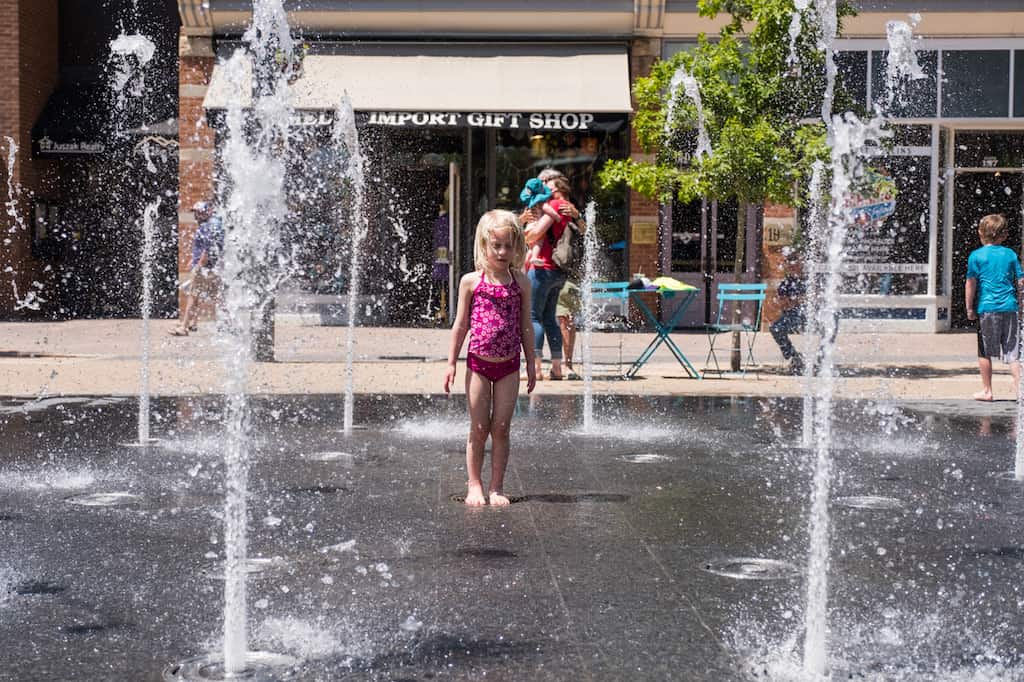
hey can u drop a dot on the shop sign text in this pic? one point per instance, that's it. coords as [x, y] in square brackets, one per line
[459, 119]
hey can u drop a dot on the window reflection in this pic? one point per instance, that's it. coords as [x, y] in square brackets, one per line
[976, 83]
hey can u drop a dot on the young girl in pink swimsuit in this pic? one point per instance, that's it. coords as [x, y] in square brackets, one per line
[494, 309]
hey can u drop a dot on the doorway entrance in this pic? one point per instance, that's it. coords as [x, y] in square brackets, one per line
[979, 192]
[702, 251]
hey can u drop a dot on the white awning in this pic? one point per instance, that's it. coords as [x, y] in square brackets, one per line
[585, 81]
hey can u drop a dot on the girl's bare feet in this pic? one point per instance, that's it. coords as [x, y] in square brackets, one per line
[498, 499]
[475, 495]
[983, 396]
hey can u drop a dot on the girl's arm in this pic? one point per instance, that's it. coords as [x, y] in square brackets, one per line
[535, 231]
[460, 327]
[526, 331]
[565, 208]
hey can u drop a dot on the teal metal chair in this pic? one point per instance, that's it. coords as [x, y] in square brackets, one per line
[739, 310]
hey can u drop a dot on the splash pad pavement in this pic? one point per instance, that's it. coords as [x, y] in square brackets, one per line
[669, 542]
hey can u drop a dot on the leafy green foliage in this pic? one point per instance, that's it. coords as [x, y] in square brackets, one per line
[759, 110]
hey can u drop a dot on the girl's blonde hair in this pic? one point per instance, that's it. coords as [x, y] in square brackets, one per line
[497, 221]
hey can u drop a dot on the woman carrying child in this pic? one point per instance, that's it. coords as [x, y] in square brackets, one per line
[546, 277]
[494, 309]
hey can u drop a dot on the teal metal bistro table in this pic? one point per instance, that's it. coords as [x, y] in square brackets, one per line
[620, 290]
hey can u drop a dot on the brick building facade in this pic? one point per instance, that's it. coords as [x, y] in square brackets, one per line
[28, 74]
[913, 287]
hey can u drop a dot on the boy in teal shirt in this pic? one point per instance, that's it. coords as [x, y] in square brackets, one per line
[994, 277]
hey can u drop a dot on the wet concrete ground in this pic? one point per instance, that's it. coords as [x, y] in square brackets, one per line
[599, 573]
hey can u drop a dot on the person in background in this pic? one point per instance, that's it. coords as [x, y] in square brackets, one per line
[568, 309]
[546, 278]
[991, 296]
[439, 274]
[203, 278]
[791, 294]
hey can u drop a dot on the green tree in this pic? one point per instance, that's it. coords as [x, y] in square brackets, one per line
[761, 113]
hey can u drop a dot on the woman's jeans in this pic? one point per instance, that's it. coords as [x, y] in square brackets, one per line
[546, 286]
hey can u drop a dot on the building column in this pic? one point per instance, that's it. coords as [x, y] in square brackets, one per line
[197, 142]
[778, 233]
[642, 236]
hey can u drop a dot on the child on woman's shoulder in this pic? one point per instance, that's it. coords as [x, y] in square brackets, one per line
[494, 310]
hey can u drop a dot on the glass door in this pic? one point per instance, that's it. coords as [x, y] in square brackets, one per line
[701, 252]
[978, 193]
[447, 258]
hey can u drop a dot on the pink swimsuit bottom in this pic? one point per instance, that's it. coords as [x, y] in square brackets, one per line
[493, 371]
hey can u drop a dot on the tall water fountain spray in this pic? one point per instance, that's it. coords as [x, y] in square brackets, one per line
[32, 298]
[345, 136]
[590, 243]
[1018, 460]
[848, 138]
[129, 57]
[255, 209]
[810, 342]
[901, 65]
[147, 252]
[691, 88]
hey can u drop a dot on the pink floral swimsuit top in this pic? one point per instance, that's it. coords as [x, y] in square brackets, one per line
[494, 319]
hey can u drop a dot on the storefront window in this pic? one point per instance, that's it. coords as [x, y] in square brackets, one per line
[687, 227]
[1018, 83]
[983, 149]
[853, 71]
[914, 99]
[887, 246]
[976, 83]
[726, 220]
[686, 235]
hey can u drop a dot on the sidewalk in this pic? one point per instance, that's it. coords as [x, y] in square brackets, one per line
[103, 357]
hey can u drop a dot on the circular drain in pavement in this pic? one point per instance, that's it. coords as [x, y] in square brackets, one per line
[37, 587]
[330, 456]
[136, 444]
[1013, 552]
[253, 566]
[874, 502]
[316, 490]
[513, 499]
[645, 458]
[104, 499]
[260, 666]
[579, 498]
[753, 569]
[485, 553]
